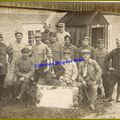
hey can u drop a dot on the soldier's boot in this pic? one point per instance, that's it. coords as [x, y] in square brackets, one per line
[92, 106]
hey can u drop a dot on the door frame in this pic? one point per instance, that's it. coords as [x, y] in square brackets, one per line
[97, 26]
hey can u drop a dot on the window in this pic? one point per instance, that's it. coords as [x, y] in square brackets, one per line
[31, 36]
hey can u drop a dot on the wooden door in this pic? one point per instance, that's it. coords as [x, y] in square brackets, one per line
[97, 33]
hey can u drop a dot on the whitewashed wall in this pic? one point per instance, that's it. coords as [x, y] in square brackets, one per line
[12, 19]
[113, 30]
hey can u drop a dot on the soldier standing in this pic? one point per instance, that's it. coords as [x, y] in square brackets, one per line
[3, 63]
[100, 56]
[61, 33]
[45, 35]
[114, 68]
[85, 45]
[69, 47]
[39, 53]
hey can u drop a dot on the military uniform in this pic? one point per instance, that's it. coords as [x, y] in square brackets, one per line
[100, 56]
[87, 47]
[23, 68]
[3, 64]
[115, 74]
[60, 35]
[45, 36]
[90, 73]
[56, 50]
[73, 50]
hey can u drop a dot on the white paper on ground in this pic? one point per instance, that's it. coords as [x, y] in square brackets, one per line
[60, 97]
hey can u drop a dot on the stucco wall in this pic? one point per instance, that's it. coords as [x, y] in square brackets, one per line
[12, 19]
[113, 30]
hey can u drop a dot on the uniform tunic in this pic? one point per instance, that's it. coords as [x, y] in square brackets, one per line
[24, 66]
[16, 52]
[71, 73]
[39, 52]
[73, 50]
[45, 36]
[56, 50]
[100, 56]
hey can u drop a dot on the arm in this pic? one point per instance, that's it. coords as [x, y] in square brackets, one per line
[107, 60]
[75, 72]
[10, 54]
[80, 77]
[99, 71]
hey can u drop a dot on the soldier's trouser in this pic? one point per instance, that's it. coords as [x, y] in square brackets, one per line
[23, 86]
[105, 79]
[90, 92]
[37, 75]
[2, 78]
[113, 80]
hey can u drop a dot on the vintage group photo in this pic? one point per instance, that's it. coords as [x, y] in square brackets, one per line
[59, 60]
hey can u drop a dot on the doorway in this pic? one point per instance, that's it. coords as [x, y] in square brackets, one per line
[97, 33]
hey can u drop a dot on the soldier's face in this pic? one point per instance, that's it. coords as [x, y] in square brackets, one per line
[25, 55]
[85, 42]
[66, 56]
[47, 28]
[101, 45]
[53, 39]
[49, 55]
[67, 41]
[19, 37]
[86, 56]
[118, 43]
[38, 39]
[61, 29]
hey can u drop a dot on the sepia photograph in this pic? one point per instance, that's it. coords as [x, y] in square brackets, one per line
[60, 60]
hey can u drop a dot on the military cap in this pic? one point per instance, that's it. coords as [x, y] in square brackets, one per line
[100, 41]
[66, 52]
[86, 37]
[86, 51]
[25, 50]
[60, 25]
[1, 36]
[18, 32]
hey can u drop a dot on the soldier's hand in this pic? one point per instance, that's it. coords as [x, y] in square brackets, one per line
[112, 69]
[84, 83]
[22, 79]
[26, 76]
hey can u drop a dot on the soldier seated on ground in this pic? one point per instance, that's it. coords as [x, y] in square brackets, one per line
[24, 70]
[89, 76]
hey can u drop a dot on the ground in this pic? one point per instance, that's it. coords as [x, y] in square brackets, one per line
[18, 110]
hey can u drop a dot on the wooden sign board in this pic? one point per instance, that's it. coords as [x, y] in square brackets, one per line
[60, 97]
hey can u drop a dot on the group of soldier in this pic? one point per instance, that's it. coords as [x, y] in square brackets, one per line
[100, 67]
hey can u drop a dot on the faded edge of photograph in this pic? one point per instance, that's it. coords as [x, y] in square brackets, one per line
[60, 60]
